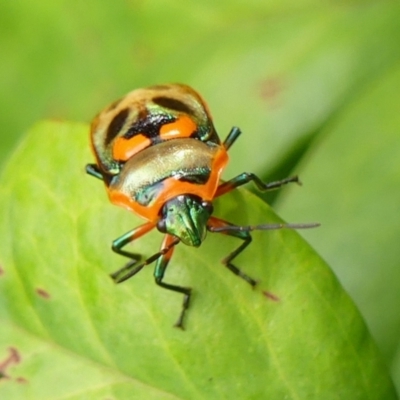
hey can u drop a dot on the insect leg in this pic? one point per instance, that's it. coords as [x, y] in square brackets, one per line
[159, 271]
[232, 136]
[127, 271]
[227, 261]
[93, 169]
[246, 177]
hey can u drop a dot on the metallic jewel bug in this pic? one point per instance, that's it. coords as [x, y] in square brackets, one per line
[159, 155]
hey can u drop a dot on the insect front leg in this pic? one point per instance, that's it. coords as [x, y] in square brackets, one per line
[227, 261]
[246, 177]
[130, 268]
[159, 271]
[232, 136]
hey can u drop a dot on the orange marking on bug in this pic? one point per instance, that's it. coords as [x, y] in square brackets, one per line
[172, 187]
[217, 222]
[224, 189]
[167, 242]
[143, 229]
[124, 149]
[183, 127]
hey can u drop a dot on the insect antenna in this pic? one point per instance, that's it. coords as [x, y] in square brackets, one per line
[261, 227]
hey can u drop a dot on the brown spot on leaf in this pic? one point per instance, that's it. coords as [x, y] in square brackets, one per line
[1, 270]
[22, 380]
[11, 359]
[43, 293]
[270, 90]
[271, 296]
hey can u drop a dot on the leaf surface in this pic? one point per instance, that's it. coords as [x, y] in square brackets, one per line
[69, 332]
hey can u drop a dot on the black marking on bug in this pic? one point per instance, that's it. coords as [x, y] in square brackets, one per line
[173, 104]
[198, 176]
[196, 179]
[116, 124]
[149, 126]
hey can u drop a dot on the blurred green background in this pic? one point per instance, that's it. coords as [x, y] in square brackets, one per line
[314, 85]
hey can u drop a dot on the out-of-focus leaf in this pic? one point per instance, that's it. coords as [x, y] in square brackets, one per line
[352, 186]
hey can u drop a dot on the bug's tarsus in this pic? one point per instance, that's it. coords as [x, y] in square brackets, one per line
[227, 261]
[272, 185]
[186, 291]
[185, 306]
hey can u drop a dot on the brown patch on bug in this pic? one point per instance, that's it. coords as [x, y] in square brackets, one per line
[270, 89]
[13, 358]
[270, 296]
[21, 380]
[43, 293]
[160, 87]
[1, 271]
[114, 104]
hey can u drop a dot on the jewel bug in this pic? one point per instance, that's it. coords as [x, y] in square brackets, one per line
[159, 156]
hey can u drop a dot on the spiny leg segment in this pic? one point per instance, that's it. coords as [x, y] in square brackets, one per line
[242, 232]
[162, 257]
[219, 225]
[246, 177]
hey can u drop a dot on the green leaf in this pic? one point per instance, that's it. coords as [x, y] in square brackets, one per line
[352, 181]
[68, 332]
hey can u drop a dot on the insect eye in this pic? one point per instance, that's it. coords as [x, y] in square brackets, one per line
[207, 205]
[162, 225]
